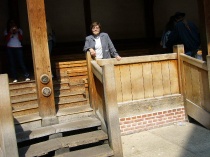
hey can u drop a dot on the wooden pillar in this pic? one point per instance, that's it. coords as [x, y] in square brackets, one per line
[87, 14]
[149, 20]
[41, 60]
[14, 10]
[8, 142]
[112, 113]
[204, 16]
[179, 49]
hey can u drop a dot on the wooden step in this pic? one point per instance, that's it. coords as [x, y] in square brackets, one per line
[20, 85]
[82, 123]
[27, 118]
[22, 91]
[23, 97]
[98, 151]
[69, 101]
[70, 94]
[72, 104]
[74, 110]
[26, 104]
[62, 142]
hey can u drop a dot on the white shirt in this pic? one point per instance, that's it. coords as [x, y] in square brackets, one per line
[14, 41]
[98, 48]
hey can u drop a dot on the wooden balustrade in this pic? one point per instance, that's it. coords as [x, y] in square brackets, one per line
[8, 142]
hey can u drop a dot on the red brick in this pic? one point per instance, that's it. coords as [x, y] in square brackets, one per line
[134, 117]
[128, 119]
[143, 116]
[159, 113]
[128, 122]
[154, 114]
[122, 119]
[139, 117]
[138, 120]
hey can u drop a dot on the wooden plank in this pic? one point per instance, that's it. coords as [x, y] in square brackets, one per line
[91, 82]
[8, 142]
[174, 78]
[112, 114]
[126, 82]
[157, 79]
[205, 93]
[138, 59]
[148, 84]
[118, 84]
[137, 83]
[196, 95]
[41, 59]
[97, 70]
[98, 151]
[188, 81]
[42, 148]
[166, 78]
[198, 63]
[198, 113]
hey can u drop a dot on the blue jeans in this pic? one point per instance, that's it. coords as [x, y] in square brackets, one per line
[191, 53]
[15, 56]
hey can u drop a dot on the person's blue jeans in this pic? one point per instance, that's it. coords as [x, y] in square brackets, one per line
[15, 56]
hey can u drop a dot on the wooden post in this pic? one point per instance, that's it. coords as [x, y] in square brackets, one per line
[112, 115]
[204, 14]
[41, 60]
[179, 49]
[8, 141]
[91, 83]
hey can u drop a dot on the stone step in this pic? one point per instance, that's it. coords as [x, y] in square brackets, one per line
[82, 123]
[97, 151]
[43, 148]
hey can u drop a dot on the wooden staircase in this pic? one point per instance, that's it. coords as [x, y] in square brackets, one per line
[78, 132]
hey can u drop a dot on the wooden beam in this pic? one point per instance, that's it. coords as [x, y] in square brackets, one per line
[204, 16]
[41, 59]
[112, 113]
[97, 70]
[8, 142]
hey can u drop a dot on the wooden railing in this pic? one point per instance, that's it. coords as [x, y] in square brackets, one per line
[195, 86]
[144, 77]
[8, 142]
[103, 98]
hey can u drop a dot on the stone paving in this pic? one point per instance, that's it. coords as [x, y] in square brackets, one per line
[178, 140]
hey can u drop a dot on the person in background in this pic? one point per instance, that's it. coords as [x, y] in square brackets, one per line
[13, 36]
[168, 29]
[185, 33]
[99, 44]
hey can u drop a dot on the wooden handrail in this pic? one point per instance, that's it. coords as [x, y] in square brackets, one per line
[8, 141]
[193, 61]
[137, 59]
